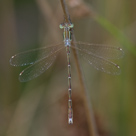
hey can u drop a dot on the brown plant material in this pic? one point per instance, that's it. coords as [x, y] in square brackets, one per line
[88, 110]
[78, 9]
[80, 127]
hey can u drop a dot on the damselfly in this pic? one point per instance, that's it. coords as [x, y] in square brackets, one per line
[95, 54]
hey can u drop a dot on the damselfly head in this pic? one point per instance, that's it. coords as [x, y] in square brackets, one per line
[66, 25]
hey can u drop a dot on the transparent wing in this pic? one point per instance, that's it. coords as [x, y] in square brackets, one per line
[98, 62]
[100, 50]
[38, 67]
[30, 57]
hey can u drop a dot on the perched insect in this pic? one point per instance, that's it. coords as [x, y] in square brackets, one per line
[95, 54]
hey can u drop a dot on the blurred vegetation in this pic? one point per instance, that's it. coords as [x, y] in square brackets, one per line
[39, 107]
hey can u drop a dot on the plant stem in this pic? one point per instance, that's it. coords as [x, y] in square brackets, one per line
[88, 110]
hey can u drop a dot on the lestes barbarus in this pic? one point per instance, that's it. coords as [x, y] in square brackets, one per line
[97, 55]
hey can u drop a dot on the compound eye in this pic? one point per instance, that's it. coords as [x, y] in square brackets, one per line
[61, 26]
[71, 25]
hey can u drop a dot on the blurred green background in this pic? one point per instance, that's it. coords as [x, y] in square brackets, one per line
[39, 107]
